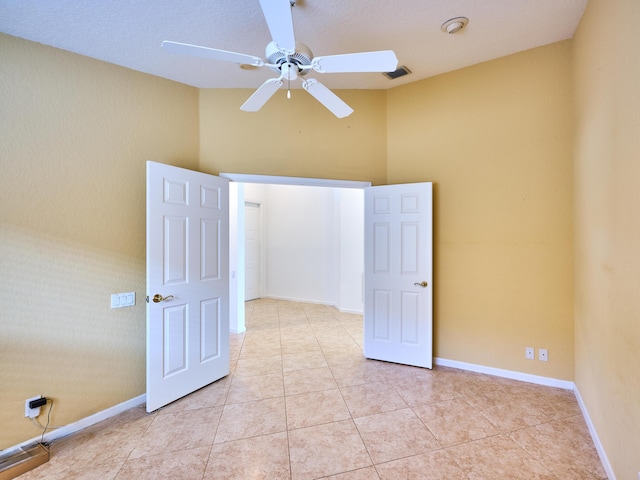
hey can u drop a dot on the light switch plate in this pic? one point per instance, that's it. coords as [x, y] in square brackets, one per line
[119, 300]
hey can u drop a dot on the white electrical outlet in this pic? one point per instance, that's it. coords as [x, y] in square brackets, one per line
[528, 353]
[543, 355]
[31, 412]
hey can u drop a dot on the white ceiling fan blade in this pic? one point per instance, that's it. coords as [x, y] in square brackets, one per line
[382, 61]
[211, 53]
[277, 13]
[327, 98]
[261, 95]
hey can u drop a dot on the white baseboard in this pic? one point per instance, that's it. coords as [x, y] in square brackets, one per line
[499, 372]
[550, 382]
[594, 436]
[82, 423]
[314, 302]
[350, 310]
[298, 300]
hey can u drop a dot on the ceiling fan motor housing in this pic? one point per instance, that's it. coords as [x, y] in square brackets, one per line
[276, 56]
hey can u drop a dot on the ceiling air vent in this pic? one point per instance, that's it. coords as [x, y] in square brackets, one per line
[400, 72]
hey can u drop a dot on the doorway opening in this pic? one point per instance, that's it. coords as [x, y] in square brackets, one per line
[312, 245]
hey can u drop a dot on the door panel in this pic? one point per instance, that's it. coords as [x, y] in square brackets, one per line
[210, 233]
[410, 318]
[409, 248]
[188, 266]
[398, 258]
[209, 321]
[175, 250]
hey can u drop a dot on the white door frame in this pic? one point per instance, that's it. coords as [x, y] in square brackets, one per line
[302, 181]
[236, 285]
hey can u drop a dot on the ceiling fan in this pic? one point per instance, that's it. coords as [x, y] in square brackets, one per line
[293, 60]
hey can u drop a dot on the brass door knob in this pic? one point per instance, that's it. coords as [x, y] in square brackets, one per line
[157, 298]
[422, 284]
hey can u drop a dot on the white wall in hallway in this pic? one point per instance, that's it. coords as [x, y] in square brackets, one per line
[301, 244]
[351, 261]
[313, 243]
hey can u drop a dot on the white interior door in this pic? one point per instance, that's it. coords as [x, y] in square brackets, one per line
[252, 236]
[187, 282]
[398, 274]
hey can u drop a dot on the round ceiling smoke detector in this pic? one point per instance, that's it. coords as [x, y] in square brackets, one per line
[454, 25]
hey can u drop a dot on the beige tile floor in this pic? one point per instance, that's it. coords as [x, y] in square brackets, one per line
[302, 403]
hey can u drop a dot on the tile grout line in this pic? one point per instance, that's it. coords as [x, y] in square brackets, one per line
[284, 393]
[224, 404]
[458, 395]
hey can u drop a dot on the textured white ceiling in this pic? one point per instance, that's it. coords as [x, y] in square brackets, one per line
[129, 33]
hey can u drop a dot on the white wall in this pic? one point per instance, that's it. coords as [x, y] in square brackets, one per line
[313, 243]
[301, 244]
[236, 258]
[351, 261]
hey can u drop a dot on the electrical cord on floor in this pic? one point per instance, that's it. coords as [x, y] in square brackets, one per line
[46, 427]
[48, 421]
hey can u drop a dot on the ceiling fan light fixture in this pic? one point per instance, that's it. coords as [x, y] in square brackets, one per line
[454, 25]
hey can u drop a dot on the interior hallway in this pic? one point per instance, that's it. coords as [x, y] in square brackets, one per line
[301, 402]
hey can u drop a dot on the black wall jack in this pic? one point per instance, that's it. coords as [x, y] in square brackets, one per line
[38, 402]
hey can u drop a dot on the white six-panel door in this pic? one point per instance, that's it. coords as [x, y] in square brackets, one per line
[252, 284]
[188, 274]
[398, 274]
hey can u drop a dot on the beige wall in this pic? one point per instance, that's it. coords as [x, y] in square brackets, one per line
[607, 226]
[74, 137]
[496, 140]
[296, 137]
[503, 221]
